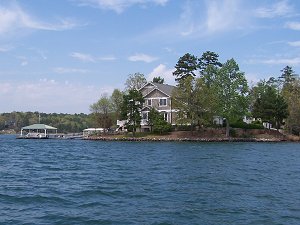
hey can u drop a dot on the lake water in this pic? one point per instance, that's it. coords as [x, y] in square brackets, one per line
[90, 182]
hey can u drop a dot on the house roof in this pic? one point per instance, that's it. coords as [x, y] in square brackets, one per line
[38, 127]
[165, 88]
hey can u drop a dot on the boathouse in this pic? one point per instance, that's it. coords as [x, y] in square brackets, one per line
[36, 131]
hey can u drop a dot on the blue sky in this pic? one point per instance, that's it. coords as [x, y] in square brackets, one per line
[61, 56]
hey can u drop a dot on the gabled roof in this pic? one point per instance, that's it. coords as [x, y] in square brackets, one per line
[146, 108]
[165, 88]
[156, 89]
[39, 127]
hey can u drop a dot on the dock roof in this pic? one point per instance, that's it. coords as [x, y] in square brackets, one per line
[38, 127]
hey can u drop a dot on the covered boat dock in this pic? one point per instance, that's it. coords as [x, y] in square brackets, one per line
[36, 131]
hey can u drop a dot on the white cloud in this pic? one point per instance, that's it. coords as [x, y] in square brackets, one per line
[119, 5]
[204, 18]
[24, 63]
[107, 58]
[82, 57]
[142, 57]
[281, 8]
[13, 18]
[293, 25]
[294, 43]
[90, 58]
[24, 60]
[223, 16]
[62, 70]
[162, 71]
[285, 61]
[40, 53]
[5, 48]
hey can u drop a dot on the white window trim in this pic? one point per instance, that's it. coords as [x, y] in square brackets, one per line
[163, 99]
[166, 116]
[149, 99]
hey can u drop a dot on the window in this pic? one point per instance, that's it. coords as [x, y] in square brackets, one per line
[163, 102]
[165, 115]
[149, 102]
[144, 115]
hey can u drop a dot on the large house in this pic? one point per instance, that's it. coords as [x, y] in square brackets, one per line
[158, 96]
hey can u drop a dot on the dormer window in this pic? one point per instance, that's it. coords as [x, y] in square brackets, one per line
[163, 102]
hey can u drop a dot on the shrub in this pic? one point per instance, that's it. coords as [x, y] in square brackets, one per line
[162, 127]
[183, 127]
[244, 125]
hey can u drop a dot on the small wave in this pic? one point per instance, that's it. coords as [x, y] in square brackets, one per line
[68, 219]
[162, 223]
[97, 192]
[33, 199]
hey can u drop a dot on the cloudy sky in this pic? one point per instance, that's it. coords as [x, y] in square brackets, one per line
[61, 56]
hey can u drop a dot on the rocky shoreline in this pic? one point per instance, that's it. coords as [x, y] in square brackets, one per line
[205, 135]
[147, 139]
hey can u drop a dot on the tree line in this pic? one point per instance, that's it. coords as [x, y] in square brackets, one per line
[207, 88]
[65, 123]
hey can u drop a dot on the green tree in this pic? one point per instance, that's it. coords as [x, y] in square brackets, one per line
[184, 101]
[209, 65]
[288, 76]
[269, 104]
[152, 115]
[281, 110]
[131, 107]
[232, 90]
[186, 66]
[158, 80]
[196, 98]
[257, 91]
[135, 81]
[209, 58]
[206, 102]
[291, 94]
[102, 112]
[157, 122]
[116, 100]
[2, 122]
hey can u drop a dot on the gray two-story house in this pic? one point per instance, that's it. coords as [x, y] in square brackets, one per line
[158, 96]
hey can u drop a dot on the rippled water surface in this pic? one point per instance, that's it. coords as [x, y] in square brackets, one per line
[86, 182]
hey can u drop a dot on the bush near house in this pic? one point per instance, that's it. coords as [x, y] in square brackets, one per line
[162, 127]
[244, 125]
